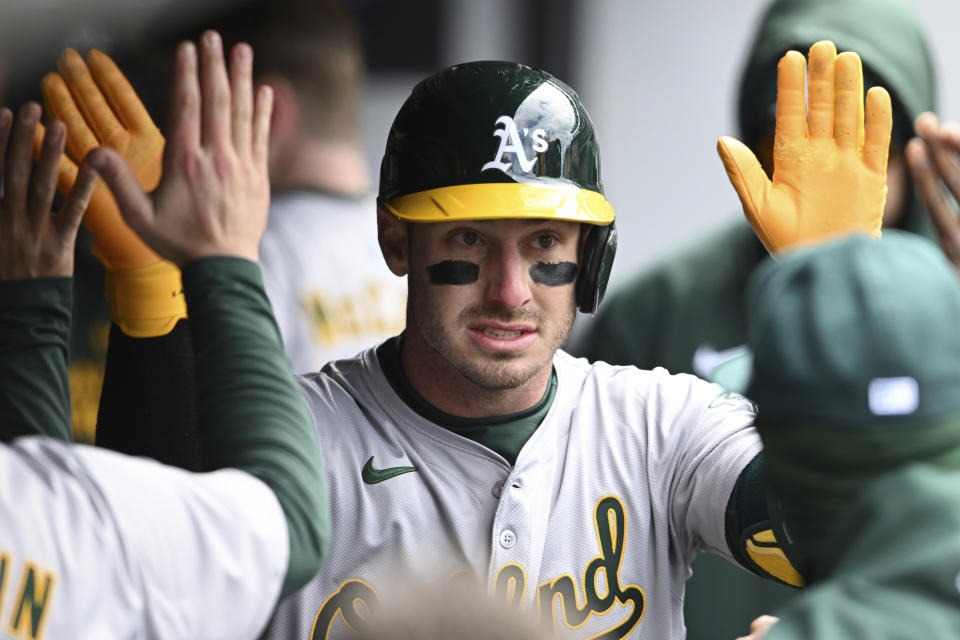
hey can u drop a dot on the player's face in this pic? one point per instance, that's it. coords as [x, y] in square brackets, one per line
[494, 299]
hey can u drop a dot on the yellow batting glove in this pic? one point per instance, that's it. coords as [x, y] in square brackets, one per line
[100, 107]
[829, 171]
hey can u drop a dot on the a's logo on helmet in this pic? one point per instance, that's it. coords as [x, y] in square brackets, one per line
[511, 142]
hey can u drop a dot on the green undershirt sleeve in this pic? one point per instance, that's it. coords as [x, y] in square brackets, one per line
[34, 345]
[252, 416]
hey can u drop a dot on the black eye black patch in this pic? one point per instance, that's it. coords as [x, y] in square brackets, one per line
[454, 272]
[553, 274]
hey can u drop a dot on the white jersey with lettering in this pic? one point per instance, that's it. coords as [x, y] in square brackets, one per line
[594, 528]
[98, 545]
[331, 292]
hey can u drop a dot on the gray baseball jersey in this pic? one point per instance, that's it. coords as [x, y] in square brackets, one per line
[331, 293]
[593, 528]
[100, 545]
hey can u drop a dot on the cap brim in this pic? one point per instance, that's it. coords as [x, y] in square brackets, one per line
[503, 200]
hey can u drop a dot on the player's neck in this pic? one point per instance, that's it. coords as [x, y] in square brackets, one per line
[337, 167]
[446, 389]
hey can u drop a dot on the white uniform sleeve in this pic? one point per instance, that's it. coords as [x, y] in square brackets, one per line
[710, 439]
[139, 546]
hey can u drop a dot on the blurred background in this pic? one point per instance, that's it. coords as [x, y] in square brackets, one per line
[659, 79]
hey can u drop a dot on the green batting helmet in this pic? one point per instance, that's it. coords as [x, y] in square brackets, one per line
[489, 140]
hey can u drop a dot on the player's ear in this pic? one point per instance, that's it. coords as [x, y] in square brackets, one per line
[394, 243]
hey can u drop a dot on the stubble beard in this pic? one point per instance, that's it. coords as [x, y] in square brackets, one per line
[492, 371]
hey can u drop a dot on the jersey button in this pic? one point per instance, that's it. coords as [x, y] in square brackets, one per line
[497, 490]
[507, 538]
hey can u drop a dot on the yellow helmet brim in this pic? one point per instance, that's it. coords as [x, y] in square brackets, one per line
[492, 201]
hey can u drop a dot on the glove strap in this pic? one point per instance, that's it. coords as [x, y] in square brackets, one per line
[146, 302]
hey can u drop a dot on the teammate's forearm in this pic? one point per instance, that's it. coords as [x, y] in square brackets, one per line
[34, 337]
[252, 416]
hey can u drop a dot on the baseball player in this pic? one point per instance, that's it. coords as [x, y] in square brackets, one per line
[100, 545]
[687, 312]
[471, 444]
[330, 291]
[857, 367]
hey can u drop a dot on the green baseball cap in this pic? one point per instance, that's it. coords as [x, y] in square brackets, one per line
[856, 332]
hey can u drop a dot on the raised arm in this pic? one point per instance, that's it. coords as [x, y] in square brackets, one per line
[148, 404]
[207, 216]
[36, 265]
[829, 161]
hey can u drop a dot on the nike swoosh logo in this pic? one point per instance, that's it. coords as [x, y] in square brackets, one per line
[371, 475]
[706, 358]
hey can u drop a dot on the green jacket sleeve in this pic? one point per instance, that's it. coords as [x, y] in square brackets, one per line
[34, 339]
[251, 414]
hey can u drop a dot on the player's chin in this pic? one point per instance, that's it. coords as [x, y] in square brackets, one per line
[502, 376]
[509, 370]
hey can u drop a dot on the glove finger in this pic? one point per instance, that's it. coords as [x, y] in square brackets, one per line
[791, 97]
[60, 106]
[823, 55]
[879, 123]
[119, 93]
[145, 152]
[848, 109]
[89, 99]
[749, 180]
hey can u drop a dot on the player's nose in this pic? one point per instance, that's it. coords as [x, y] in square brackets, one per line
[509, 281]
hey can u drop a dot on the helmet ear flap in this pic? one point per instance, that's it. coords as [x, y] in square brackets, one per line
[596, 259]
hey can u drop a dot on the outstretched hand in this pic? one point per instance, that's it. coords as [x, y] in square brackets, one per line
[830, 171]
[933, 160]
[34, 241]
[99, 106]
[214, 193]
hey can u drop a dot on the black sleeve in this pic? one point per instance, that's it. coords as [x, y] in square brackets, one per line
[34, 343]
[148, 403]
[754, 537]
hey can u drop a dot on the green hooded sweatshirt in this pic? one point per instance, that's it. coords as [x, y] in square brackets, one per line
[688, 312]
[899, 576]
